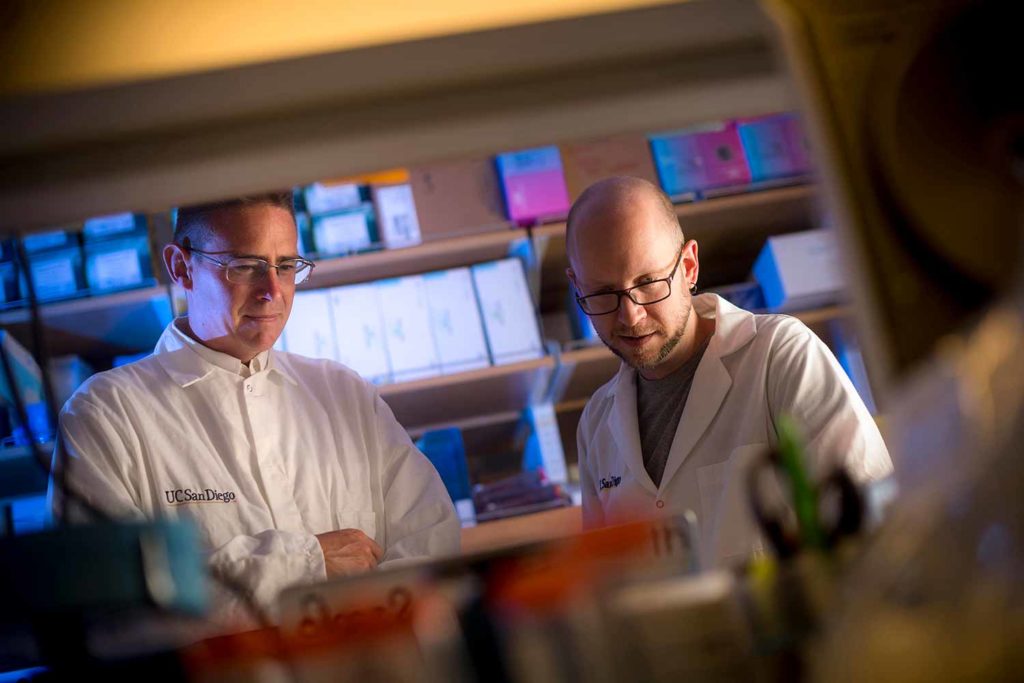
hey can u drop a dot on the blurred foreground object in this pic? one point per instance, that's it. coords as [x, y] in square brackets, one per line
[923, 142]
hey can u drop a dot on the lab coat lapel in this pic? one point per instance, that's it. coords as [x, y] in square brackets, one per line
[734, 328]
[710, 386]
[626, 428]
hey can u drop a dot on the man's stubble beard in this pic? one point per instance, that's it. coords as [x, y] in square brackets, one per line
[667, 348]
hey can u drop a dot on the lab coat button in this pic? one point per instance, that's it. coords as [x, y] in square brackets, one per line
[660, 504]
[248, 387]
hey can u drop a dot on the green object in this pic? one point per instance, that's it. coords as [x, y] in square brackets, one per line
[805, 495]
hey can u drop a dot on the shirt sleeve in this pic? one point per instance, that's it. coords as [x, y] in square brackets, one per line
[100, 453]
[419, 518]
[806, 382]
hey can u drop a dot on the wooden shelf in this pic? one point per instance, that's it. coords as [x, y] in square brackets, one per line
[730, 232]
[541, 526]
[582, 371]
[449, 253]
[440, 401]
[109, 324]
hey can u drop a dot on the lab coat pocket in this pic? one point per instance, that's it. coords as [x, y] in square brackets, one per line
[365, 521]
[726, 525]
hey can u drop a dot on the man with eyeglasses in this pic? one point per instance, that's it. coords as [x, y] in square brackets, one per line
[293, 469]
[702, 382]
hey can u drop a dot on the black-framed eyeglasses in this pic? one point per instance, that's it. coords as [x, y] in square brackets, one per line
[644, 294]
[249, 270]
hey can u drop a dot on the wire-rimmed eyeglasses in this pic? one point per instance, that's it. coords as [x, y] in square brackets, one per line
[248, 270]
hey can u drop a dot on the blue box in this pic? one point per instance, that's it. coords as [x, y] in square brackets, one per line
[800, 271]
[114, 226]
[118, 264]
[776, 146]
[57, 274]
[46, 241]
[700, 158]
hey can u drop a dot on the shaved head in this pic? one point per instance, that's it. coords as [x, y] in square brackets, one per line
[611, 202]
[623, 234]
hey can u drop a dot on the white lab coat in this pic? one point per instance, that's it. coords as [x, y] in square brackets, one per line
[755, 368]
[261, 464]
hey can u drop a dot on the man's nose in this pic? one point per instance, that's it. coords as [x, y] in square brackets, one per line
[630, 313]
[270, 286]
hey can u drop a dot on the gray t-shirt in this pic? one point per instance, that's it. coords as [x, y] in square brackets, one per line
[659, 405]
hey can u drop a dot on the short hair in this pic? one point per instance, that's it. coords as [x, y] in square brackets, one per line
[668, 209]
[193, 222]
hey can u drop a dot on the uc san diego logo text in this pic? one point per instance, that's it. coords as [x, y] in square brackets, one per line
[182, 496]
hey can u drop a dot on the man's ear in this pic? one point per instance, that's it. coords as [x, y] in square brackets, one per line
[690, 264]
[572, 279]
[177, 264]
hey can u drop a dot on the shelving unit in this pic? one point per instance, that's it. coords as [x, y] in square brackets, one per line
[439, 255]
[104, 325]
[441, 401]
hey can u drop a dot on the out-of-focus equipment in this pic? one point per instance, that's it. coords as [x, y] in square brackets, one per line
[921, 129]
[816, 516]
[920, 134]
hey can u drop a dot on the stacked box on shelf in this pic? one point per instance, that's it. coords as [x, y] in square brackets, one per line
[693, 161]
[117, 253]
[587, 162]
[457, 198]
[55, 264]
[341, 219]
[533, 184]
[800, 271]
[11, 275]
[410, 341]
[776, 146]
[359, 331]
[455, 320]
[513, 332]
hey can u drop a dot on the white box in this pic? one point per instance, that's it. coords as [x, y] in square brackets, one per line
[800, 271]
[455, 320]
[359, 331]
[410, 343]
[342, 233]
[509, 318]
[310, 330]
[321, 198]
[396, 216]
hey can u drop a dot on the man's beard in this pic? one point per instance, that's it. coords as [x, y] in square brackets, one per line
[663, 352]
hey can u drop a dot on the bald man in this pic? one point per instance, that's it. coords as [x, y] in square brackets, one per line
[701, 384]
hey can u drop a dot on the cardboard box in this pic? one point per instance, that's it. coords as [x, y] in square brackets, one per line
[533, 185]
[698, 159]
[455, 320]
[585, 163]
[456, 198]
[775, 145]
[410, 342]
[510, 320]
[800, 271]
[359, 331]
[310, 329]
[396, 216]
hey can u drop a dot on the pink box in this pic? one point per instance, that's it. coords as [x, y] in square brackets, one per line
[534, 184]
[700, 159]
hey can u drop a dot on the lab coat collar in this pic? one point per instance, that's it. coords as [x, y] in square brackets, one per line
[734, 329]
[186, 366]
